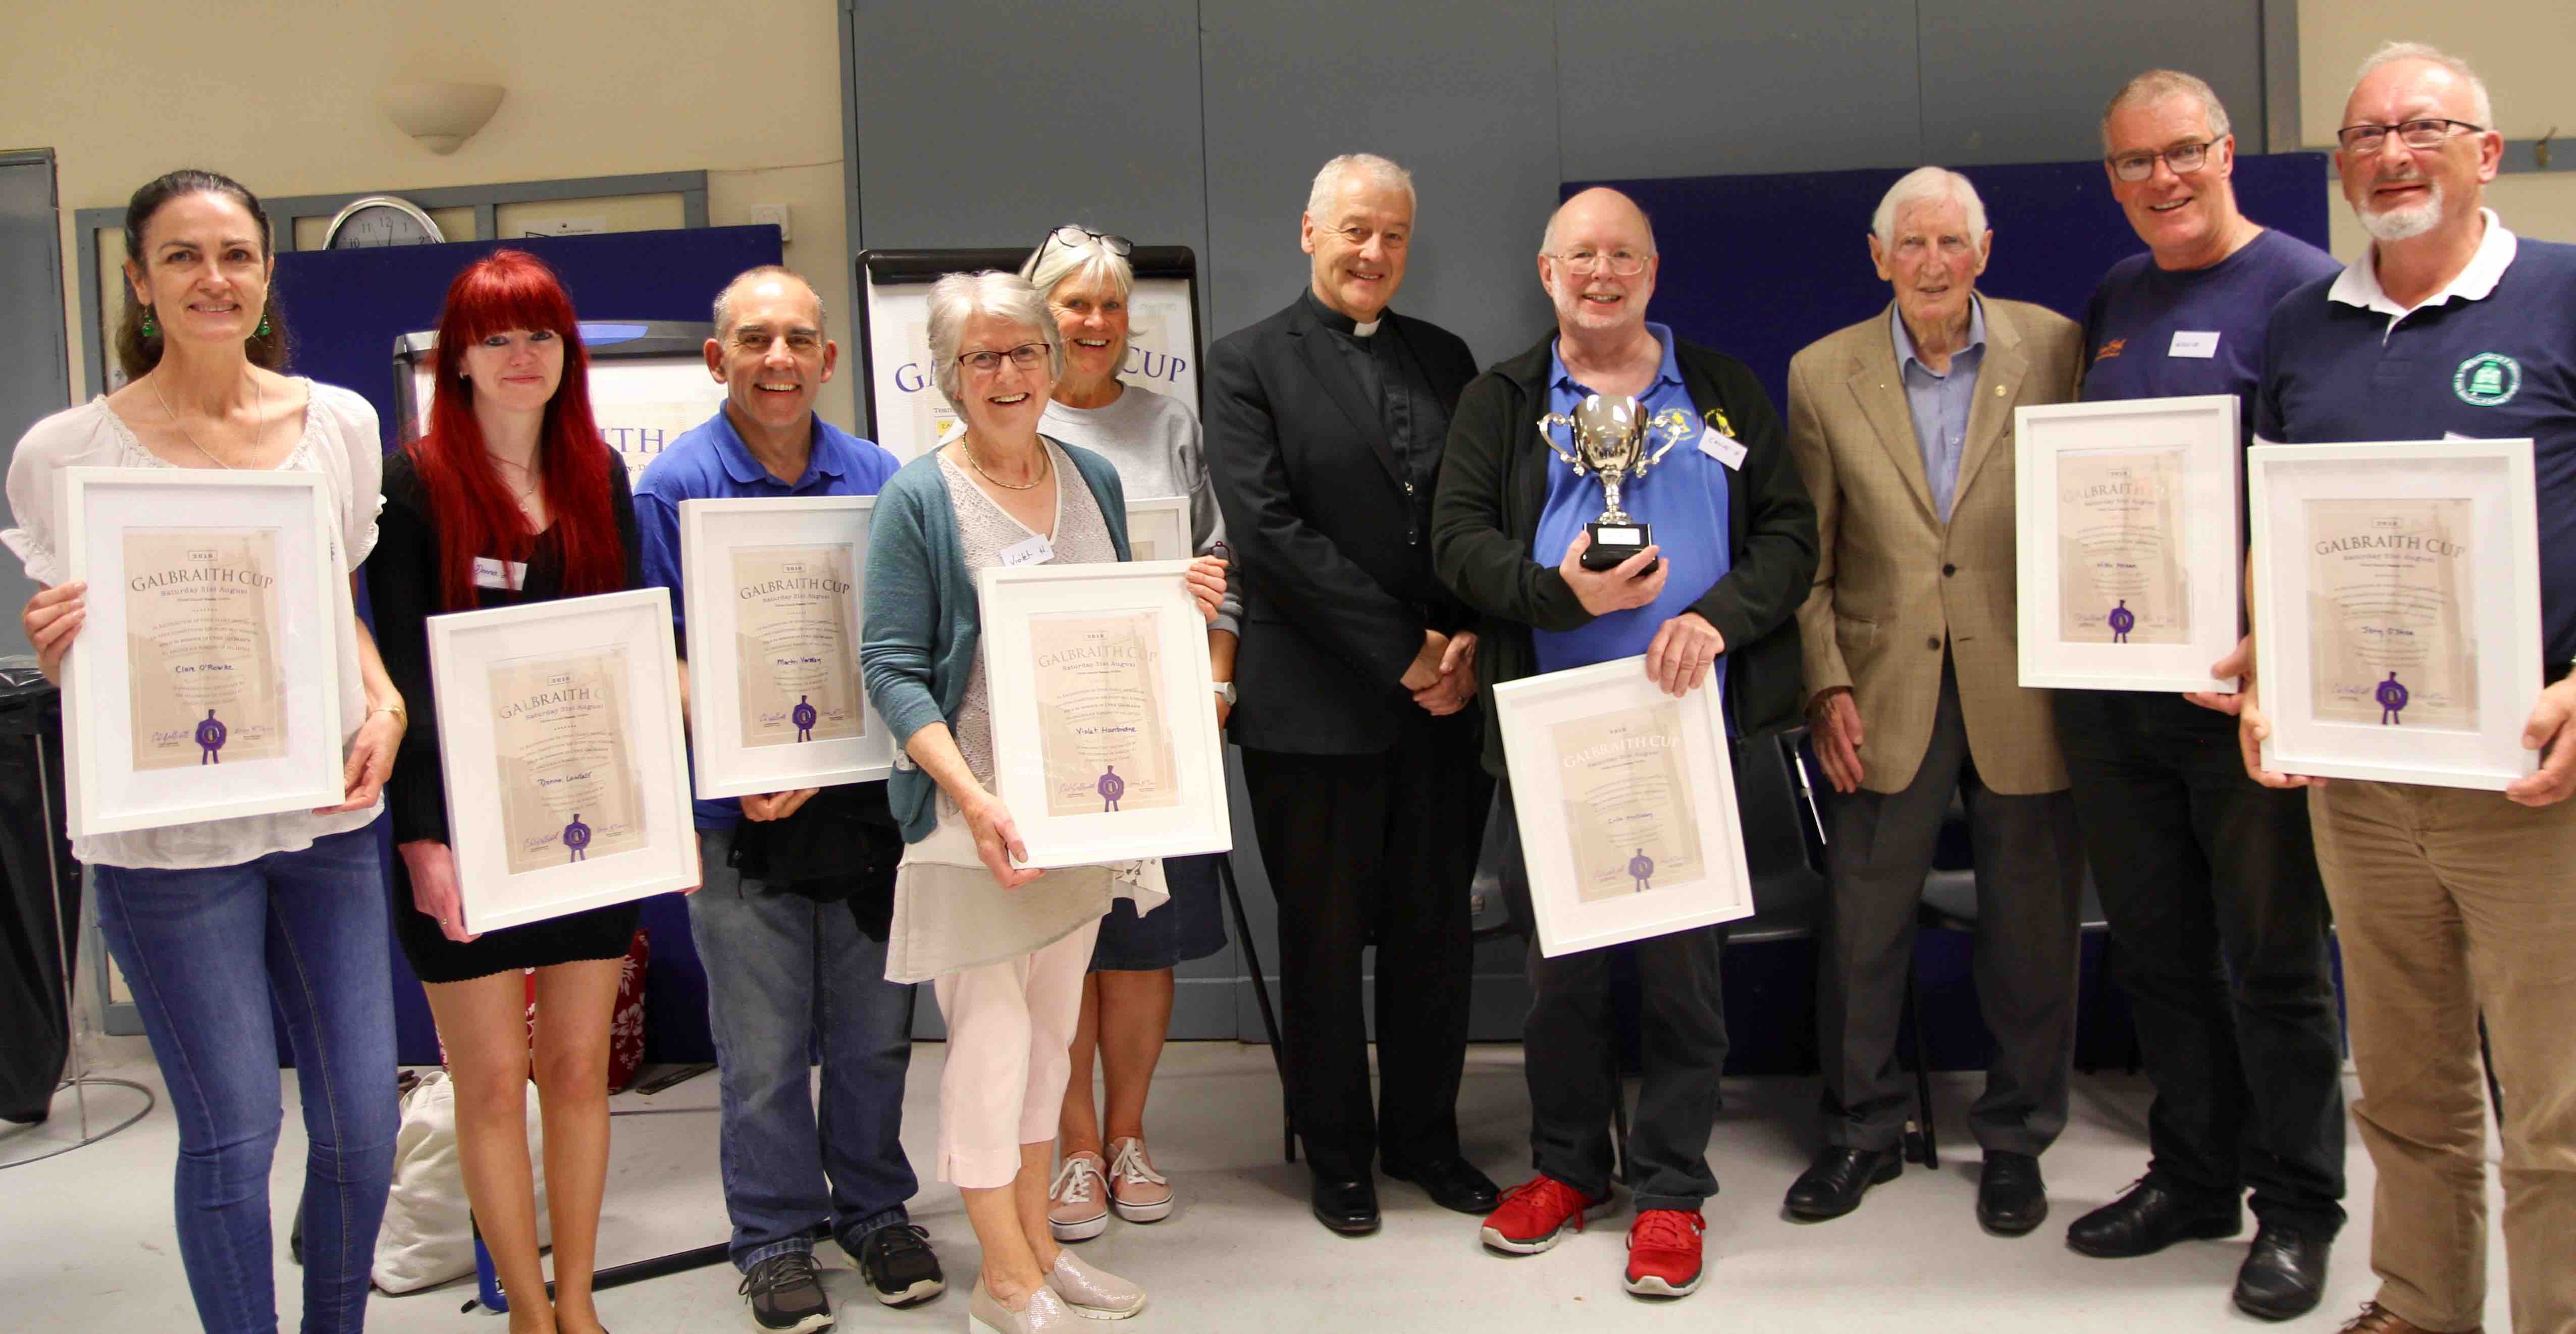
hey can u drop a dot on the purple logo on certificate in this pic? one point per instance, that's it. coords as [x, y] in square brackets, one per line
[210, 736]
[2392, 701]
[1111, 787]
[803, 716]
[2123, 621]
[1641, 868]
[576, 836]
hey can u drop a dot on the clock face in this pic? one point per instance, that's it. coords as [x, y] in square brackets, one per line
[369, 223]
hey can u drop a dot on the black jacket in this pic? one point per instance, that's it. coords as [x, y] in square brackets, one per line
[1334, 555]
[1493, 484]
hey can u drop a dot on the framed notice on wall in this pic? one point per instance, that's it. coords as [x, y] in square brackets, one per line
[900, 397]
[567, 775]
[2397, 609]
[205, 681]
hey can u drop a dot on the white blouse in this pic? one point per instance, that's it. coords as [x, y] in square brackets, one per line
[340, 441]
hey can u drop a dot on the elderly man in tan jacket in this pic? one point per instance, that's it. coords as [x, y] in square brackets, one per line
[1902, 427]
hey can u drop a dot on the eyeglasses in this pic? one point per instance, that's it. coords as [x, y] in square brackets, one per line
[2183, 158]
[2428, 132]
[1072, 237]
[1585, 263]
[1025, 356]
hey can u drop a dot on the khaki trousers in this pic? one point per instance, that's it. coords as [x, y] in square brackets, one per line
[2449, 904]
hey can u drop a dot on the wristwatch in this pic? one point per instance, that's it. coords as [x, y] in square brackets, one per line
[1224, 691]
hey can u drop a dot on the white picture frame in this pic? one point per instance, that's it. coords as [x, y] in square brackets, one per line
[739, 752]
[1159, 698]
[1661, 748]
[2130, 499]
[134, 660]
[1158, 528]
[2462, 617]
[579, 691]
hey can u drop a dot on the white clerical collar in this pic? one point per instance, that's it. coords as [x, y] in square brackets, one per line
[2358, 285]
[1369, 329]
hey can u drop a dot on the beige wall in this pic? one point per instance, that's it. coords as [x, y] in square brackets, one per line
[283, 95]
[2521, 49]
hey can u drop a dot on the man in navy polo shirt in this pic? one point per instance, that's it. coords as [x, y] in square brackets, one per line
[2208, 878]
[776, 960]
[1711, 605]
[2451, 904]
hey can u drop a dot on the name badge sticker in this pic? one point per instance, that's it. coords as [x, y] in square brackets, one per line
[490, 573]
[2203, 344]
[1725, 449]
[1034, 550]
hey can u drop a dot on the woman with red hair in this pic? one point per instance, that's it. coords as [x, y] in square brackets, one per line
[510, 497]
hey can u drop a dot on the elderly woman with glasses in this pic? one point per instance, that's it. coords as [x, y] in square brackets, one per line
[1005, 947]
[1153, 441]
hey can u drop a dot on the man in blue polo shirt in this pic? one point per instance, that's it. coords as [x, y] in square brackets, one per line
[775, 959]
[2451, 904]
[1711, 605]
[2208, 878]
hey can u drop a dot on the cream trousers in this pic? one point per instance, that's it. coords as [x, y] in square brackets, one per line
[1010, 1035]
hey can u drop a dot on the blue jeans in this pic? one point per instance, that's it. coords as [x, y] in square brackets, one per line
[206, 951]
[786, 975]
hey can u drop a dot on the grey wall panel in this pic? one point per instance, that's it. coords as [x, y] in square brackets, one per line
[1817, 85]
[1468, 107]
[983, 123]
[2025, 80]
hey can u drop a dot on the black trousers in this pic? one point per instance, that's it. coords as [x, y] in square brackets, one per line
[1374, 849]
[2030, 884]
[2210, 883]
[1570, 1044]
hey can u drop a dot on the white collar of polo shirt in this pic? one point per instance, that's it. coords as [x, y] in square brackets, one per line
[2358, 285]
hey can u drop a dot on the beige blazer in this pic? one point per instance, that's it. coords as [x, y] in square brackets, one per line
[1894, 584]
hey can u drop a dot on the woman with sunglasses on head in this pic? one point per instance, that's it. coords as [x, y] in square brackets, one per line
[1153, 441]
[211, 922]
[1005, 948]
[510, 498]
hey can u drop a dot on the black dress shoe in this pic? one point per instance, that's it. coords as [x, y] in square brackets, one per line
[2283, 1275]
[2011, 1199]
[2148, 1219]
[1347, 1207]
[1833, 1184]
[1453, 1184]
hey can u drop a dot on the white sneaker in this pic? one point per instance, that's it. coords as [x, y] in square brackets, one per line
[1078, 1199]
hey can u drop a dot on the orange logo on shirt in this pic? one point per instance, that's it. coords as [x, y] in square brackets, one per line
[2111, 349]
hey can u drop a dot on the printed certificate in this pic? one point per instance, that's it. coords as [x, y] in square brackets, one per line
[2119, 534]
[201, 639]
[559, 747]
[1100, 707]
[794, 644]
[1627, 802]
[2388, 588]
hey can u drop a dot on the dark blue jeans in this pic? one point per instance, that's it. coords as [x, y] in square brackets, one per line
[205, 952]
[785, 975]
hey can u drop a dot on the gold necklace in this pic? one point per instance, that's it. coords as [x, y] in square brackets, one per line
[1046, 467]
[259, 433]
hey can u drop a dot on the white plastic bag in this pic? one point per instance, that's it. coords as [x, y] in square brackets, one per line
[428, 1235]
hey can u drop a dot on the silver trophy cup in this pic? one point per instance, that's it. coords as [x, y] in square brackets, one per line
[1610, 436]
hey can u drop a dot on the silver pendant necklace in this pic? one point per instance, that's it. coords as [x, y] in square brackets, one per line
[259, 433]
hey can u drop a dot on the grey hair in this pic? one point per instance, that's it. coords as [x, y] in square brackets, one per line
[2481, 106]
[724, 299]
[1329, 181]
[2155, 86]
[1055, 261]
[959, 297]
[1924, 185]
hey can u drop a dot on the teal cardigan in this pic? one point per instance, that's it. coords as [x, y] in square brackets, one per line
[917, 645]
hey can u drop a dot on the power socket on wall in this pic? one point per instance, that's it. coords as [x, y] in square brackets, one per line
[772, 213]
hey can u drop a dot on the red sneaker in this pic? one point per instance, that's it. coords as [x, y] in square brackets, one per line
[1533, 1214]
[1663, 1252]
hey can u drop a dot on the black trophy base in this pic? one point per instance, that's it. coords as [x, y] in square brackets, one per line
[1613, 544]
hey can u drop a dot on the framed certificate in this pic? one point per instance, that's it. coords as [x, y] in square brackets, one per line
[2129, 552]
[2397, 609]
[1158, 528]
[1104, 738]
[773, 594]
[1626, 798]
[559, 732]
[205, 682]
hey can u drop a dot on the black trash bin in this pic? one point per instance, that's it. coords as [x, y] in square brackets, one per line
[40, 896]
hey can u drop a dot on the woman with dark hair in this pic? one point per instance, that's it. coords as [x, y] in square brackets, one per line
[509, 498]
[212, 921]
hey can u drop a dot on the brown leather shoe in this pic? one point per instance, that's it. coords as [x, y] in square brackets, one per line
[2378, 1319]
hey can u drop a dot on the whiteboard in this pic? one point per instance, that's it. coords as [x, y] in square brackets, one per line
[907, 414]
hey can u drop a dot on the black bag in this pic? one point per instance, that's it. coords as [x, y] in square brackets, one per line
[841, 846]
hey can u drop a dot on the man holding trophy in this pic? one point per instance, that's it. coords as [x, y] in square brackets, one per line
[1699, 562]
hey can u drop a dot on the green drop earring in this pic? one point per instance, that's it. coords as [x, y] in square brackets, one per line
[150, 330]
[262, 331]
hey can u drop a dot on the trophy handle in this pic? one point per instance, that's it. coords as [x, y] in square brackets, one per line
[1559, 419]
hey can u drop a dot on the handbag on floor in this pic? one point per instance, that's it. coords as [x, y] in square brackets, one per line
[428, 1234]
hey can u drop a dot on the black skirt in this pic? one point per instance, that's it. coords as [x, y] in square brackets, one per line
[599, 933]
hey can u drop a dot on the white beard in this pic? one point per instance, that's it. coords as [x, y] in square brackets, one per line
[2405, 222]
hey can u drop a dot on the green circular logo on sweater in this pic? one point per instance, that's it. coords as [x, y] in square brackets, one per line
[2487, 380]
